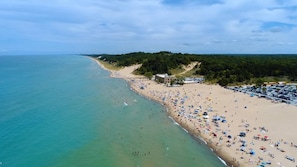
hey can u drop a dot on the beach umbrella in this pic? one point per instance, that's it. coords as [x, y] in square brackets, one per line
[242, 148]
[252, 152]
[263, 163]
[265, 138]
[242, 134]
[229, 136]
[243, 143]
[216, 118]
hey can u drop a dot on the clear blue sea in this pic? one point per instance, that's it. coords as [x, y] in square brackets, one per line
[61, 111]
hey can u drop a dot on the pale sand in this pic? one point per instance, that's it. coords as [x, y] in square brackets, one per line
[242, 112]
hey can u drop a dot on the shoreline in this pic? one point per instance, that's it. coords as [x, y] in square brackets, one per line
[186, 105]
[197, 136]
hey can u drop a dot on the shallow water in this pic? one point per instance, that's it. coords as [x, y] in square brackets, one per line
[67, 111]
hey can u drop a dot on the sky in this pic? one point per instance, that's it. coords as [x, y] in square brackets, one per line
[123, 26]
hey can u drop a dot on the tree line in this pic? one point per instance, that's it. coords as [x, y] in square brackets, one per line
[223, 69]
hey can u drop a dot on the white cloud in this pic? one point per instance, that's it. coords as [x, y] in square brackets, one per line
[138, 25]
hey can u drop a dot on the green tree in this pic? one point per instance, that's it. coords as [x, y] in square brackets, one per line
[149, 75]
[259, 82]
[223, 82]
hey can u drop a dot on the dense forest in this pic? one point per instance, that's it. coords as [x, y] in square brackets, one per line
[223, 69]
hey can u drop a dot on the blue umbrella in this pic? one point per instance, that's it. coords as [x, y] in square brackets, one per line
[252, 152]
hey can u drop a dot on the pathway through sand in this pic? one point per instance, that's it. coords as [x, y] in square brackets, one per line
[188, 67]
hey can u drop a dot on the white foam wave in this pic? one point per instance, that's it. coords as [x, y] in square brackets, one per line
[222, 161]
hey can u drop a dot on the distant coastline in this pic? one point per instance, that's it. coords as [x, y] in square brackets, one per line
[241, 112]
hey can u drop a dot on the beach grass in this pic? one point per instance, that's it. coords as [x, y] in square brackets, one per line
[177, 70]
[110, 66]
[184, 71]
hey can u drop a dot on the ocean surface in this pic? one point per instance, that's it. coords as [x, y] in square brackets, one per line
[58, 111]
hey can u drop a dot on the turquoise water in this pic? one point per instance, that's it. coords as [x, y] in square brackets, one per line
[67, 111]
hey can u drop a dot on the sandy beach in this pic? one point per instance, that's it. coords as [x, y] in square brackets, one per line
[218, 116]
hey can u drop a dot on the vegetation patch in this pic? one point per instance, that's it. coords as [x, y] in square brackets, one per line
[110, 66]
[222, 69]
